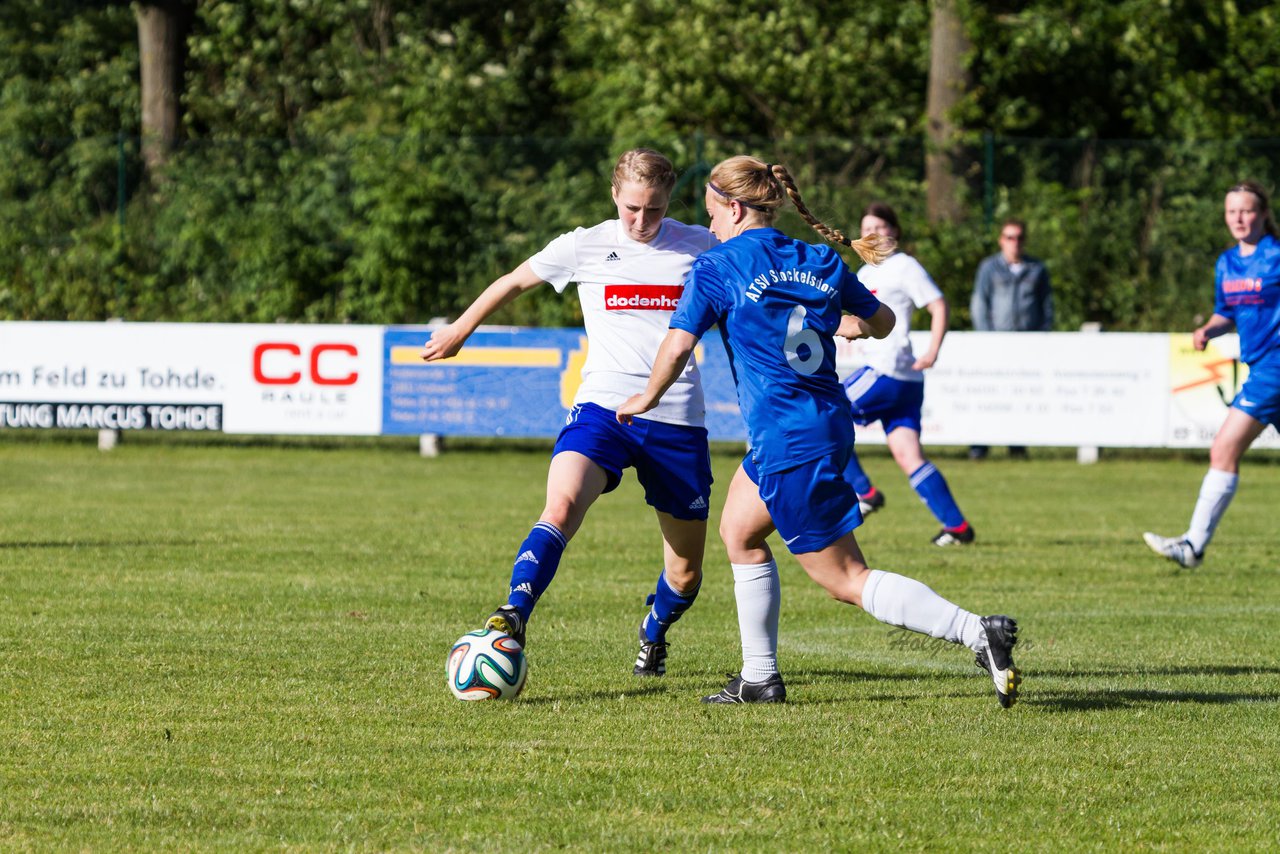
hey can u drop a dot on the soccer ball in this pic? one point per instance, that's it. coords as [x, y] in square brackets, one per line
[486, 665]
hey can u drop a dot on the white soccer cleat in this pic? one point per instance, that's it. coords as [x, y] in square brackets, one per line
[1175, 549]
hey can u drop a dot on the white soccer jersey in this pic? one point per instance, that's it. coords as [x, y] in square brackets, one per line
[628, 291]
[902, 284]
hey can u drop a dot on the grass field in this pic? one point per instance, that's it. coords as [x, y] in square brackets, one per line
[240, 646]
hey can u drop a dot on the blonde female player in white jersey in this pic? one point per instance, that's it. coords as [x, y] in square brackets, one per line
[890, 387]
[629, 272]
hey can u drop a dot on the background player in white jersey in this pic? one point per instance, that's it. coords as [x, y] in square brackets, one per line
[889, 388]
[629, 273]
[778, 302]
[1246, 299]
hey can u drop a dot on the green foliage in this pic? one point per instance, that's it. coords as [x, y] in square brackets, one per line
[778, 70]
[69, 85]
[379, 161]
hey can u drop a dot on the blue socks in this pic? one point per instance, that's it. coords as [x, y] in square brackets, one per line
[535, 566]
[854, 474]
[539, 558]
[932, 488]
[667, 606]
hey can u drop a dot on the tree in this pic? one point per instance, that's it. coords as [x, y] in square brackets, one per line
[946, 162]
[163, 26]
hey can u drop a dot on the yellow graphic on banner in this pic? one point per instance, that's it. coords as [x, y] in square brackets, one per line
[571, 379]
[1208, 371]
[1202, 384]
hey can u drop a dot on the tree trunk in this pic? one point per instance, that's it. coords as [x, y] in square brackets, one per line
[945, 162]
[162, 37]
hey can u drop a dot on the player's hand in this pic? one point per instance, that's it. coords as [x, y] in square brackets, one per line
[1200, 339]
[924, 363]
[851, 328]
[445, 343]
[637, 404]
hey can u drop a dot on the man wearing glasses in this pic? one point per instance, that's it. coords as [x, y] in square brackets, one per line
[1011, 293]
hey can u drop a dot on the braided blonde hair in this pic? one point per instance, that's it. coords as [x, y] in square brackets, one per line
[764, 187]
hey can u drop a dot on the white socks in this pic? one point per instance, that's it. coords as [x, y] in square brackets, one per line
[887, 596]
[1216, 492]
[759, 597]
[901, 601]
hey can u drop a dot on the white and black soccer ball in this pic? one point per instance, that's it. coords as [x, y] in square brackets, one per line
[486, 665]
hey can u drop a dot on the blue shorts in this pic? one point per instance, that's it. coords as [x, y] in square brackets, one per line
[875, 397]
[671, 461]
[1259, 397]
[812, 505]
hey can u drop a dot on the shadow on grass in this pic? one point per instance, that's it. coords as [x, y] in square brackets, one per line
[1172, 670]
[636, 691]
[1087, 701]
[1051, 699]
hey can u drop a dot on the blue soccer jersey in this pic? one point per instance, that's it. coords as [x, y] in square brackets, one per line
[779, 301]
[1247, 290]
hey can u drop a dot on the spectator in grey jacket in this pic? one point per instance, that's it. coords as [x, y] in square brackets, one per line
[1011, 293]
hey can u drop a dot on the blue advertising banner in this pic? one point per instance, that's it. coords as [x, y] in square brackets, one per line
[515, 382]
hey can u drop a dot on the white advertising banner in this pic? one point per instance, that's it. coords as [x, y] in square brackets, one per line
[1072, 389]
[301, 379]
[238, 378]
[1061, 388]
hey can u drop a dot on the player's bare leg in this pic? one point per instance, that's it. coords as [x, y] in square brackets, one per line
[683, 545]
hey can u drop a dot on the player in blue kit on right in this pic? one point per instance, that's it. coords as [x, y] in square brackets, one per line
[778, 302]
[1247, 299]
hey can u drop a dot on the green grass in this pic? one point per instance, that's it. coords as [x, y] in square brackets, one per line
[240, 646]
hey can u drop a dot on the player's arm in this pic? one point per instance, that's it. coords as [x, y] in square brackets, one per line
[672, 356]
[448, 340]
[877, 325]
[1215, 326]
[939, 316]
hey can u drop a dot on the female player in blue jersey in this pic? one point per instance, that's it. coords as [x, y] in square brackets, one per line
[1246, 299]
[778, 302]
[629, 272]
[889, 387]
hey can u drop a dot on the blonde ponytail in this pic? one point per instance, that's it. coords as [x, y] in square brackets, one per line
[761, 187]
[872, 249]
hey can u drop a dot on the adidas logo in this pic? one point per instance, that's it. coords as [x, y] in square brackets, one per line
[524, 587]
[612, 256]
[527, 555]
[698, 503]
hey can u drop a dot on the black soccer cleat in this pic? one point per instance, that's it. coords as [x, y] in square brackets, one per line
[871, 502]
[1000, 635]
[739, 690]
[652, 660]
[508, 621]
[954, 536]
